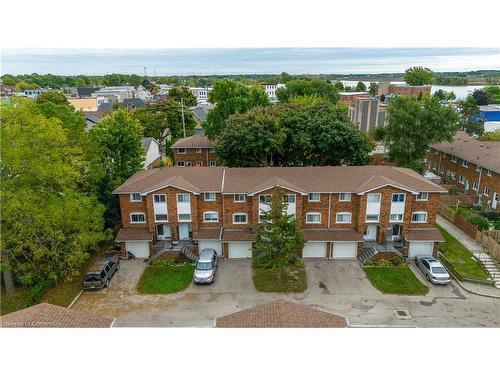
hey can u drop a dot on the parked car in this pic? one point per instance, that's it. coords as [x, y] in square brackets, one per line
[100, 274]
[206, 266]
[432, 269]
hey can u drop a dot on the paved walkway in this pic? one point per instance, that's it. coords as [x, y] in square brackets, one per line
[452, 229]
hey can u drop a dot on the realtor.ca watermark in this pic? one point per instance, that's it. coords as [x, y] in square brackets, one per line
[32, 324]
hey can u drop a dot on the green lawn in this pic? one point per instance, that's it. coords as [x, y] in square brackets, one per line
[163, 279]
[16, 302]
[395, 280]
[294, 281]
[461, 258]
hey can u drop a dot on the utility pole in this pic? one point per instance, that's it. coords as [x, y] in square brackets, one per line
[182, 112]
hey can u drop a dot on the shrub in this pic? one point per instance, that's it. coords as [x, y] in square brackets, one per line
[162, 263]
[496, 225]
[491, 215]
[481, 222]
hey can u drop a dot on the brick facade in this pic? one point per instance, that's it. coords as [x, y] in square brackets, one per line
[196, 157]
[450, 168]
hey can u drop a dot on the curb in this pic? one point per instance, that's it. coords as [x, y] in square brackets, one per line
[471, 291]
[74, 300]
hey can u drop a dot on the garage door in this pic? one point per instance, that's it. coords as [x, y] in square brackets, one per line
[344, 250]
[205, 244]
[314, 250]
[139, 249]
[240, 250]
[420, 248]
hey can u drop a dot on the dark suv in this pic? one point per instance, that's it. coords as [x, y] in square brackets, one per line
[100, 274]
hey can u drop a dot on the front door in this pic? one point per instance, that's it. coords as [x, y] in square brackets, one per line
[371, 232]
[185, 231]
[396, 232]
[163, 231]
[494, 201]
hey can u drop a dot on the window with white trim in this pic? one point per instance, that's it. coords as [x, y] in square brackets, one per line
[159, 198]
[198, 150]
[419, 217]
[343, 217]
[184, 217]
[265, 199]
[314, 197]
[398, 197]
[240, 218]
[161, 217]
[396, 218]
[486, 191]
[475, 185]
[488, 172]
[212, 163]
[373, 218]
[461, 179]
[239, 198]
[210, 216]
[465, 164]
[183, 198]
[181, 150]
[373, 198]
[135, 197]
[209, 196]
[344, 197]
[289, 198]
[313, 218]
[422, 196]
[137, 217]
[453, 159]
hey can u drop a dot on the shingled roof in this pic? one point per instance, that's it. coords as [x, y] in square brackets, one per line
[463, 146]
[281, 314]
[194, 141]
[356, 179]
[46, 315]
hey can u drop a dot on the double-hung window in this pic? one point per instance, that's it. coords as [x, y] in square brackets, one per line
[419, 217]
[209, 197]
[343, 217]
[137, 217]
[239, 198]
[135, 197]
[313, 218]
[398, 197]
[422, 196]
[314, 197]
[345, 197]
[240, 218]
[210, 216]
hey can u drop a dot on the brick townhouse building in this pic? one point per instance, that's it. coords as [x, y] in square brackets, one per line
[343, 211]
[472, 166]
[194, 151]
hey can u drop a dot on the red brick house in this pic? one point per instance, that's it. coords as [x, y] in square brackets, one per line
[194, 151]
[472, 166]
[343, 211]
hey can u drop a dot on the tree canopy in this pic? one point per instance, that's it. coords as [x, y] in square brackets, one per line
[413, 125]
[231, 97]
[480, 97]
[470, 119]
[418, 76]
[493, 93]
[182, 92]
[493, 136]
[302, 87]
[292, 135]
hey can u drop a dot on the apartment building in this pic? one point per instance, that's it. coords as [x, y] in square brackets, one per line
[472, 166]
[343, 211]
[350, 97]
[201, 93]
[194, 151]
[368, 113]
[388, 88]
[270, 89]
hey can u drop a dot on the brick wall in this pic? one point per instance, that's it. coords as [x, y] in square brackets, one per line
[192, 156]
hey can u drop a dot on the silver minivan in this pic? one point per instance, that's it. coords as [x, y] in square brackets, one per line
[206, 266]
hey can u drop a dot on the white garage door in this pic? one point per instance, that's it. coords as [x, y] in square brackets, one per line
[344, 250]
[139, 249]
[420, 248]
[206, 244]
[314, 250]
[240, 250]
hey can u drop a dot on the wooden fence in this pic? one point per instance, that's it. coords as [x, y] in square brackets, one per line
[490, 239]
[453, 200]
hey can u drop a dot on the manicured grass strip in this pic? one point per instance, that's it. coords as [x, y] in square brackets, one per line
[461, 258]
[395, 280]
[293, 281]
[165, 278]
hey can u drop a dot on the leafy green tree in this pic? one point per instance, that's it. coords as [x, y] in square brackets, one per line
[22, 86]
[251, 139]
[116, 146]
[373, 89]
[413, 125]
[418, 76]
[360, 86]
[493, 136]
[339, 85]
[178, 93]
[49, 227]
[445, 95]
[280, 242]
[301, 87]
[480, 97]
[470, 119]
[52, 97]
[493, 93]
[230, 97]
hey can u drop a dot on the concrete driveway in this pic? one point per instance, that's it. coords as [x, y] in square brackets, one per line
[340, 277]
[339, 287]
